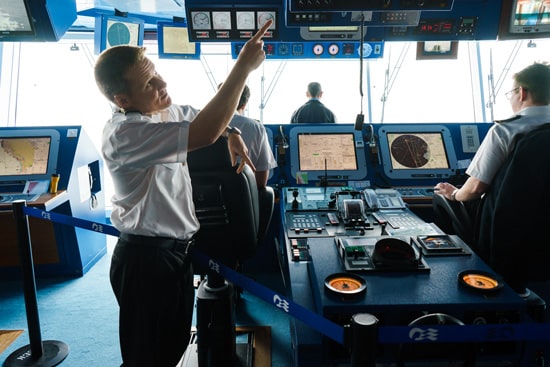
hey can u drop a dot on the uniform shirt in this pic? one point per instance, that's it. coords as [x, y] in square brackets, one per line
[500, 139]
[313, 111]
[146, 159]
[255, 137]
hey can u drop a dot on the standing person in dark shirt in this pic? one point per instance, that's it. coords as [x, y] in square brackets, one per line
[313, 111]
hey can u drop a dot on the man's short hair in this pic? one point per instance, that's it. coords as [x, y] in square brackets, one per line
[535, 78]
[245, 96]
[111, 67]
[314, 89]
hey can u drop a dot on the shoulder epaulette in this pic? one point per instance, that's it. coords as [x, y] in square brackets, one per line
[508, 119]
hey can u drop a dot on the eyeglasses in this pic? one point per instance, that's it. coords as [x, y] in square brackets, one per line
[509, 93]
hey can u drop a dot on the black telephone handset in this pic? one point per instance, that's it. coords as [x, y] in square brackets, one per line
[371, 199]
[383, 199]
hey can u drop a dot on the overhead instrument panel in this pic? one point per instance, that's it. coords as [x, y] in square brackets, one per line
[374, 5]
[228, 21]
[316, 50]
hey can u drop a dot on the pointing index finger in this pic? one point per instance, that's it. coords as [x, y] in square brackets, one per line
[262, 30]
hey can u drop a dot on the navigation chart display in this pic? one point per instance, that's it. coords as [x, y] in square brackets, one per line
[420, 150]
[417, 152]
[327, 151]
[24, 156]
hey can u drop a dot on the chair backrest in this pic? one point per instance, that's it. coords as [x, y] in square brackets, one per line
[515, 211]
[227, 205]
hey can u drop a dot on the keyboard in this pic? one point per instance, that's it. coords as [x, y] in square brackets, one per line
[401, 219]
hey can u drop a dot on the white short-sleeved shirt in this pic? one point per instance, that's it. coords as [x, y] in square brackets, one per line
[499, 141]
[147, 162]
[255, 137]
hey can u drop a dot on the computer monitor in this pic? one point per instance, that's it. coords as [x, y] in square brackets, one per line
[27, 155]
[417, 152]
[113, 30]
[16, 19]
[530, 16]
[327, 152]
[524, 19]
[173, 42]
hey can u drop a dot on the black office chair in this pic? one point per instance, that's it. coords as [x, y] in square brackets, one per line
[508, 230]
[234, 215]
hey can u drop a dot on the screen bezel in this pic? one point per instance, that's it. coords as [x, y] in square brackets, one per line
[52, 156]
[318, 175]
[508, 31]
[29, 31]
[164, 54]
[416, 173]
[101, 29]
[522, 29]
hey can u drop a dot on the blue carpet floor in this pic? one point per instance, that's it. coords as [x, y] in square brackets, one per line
[83, 313]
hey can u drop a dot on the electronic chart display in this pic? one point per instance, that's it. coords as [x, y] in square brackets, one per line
[331, 152]
[416, 152]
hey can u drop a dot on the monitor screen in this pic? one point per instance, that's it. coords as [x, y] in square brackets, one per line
[28, 154]
[112, 30]
[417, 152]
[530, 16]
[15, 18]
[173, 42]
[334, 152]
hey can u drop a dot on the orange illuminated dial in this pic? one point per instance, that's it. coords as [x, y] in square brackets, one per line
[345, 284]
[480, 281]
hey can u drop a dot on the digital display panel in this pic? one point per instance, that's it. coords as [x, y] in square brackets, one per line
[173, 42]
[332, 152]
[112, 30]
[417, 152]
[530, 16]
[326, 151]
[28, 154]
[15, 18]
[24, 155]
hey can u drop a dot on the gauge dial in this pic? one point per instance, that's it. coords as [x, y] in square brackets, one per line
[221, 19]
[201, 20]
[263, 17]
[245, 20]
[345, 284]
[479, 281]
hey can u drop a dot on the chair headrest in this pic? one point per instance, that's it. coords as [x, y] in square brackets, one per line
[209, 158]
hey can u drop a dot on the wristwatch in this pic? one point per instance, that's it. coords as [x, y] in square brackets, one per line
[231, 130]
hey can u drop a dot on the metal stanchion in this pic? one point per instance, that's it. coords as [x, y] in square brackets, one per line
[38, 353]
[364, 340]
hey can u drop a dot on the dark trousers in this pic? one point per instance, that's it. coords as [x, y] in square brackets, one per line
[152, 279]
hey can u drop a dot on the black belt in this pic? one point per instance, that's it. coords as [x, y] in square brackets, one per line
[160, 242]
